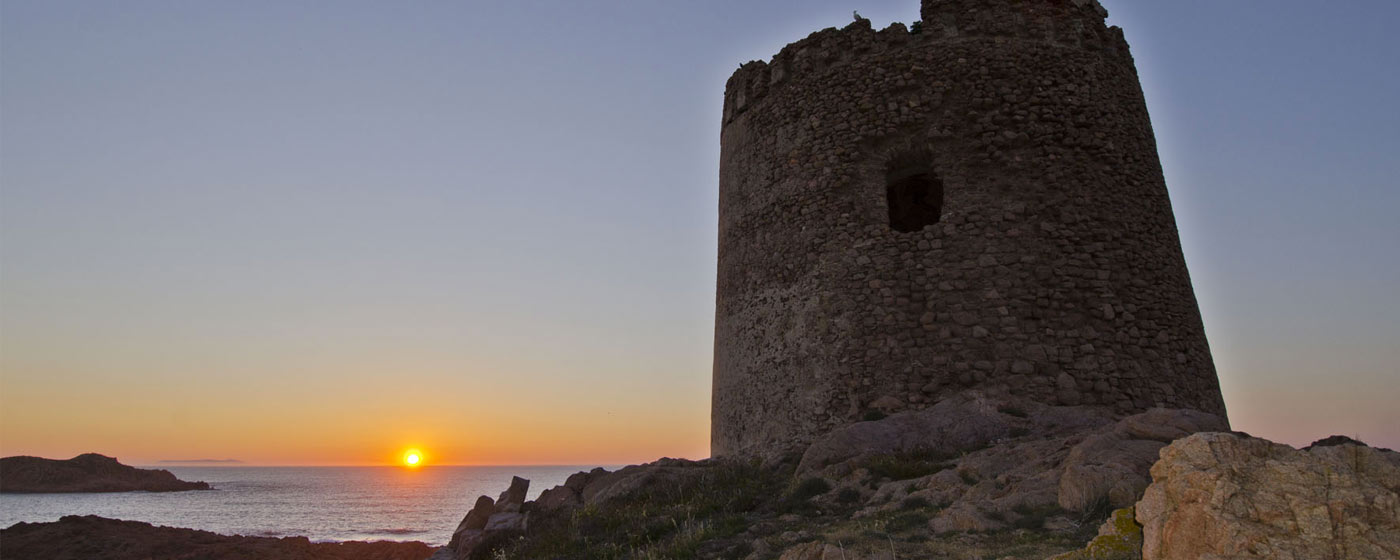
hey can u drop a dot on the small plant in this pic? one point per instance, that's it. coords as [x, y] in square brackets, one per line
[916, 28]
[848, 495]
[967, 477]
[873, 415]
[1013, 410]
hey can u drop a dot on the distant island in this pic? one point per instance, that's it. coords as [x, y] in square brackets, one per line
[200, 462]
[89, 472]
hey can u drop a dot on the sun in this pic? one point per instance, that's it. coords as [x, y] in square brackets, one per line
[412, 458]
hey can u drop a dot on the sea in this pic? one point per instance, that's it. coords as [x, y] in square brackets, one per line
[325, 504]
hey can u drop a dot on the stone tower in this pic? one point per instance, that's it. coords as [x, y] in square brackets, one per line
[975, 202]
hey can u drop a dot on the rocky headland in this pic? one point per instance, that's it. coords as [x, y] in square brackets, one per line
[976, 476]
[87, 537]
[88, 472]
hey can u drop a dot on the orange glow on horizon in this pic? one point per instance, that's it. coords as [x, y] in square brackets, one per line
[412, 458]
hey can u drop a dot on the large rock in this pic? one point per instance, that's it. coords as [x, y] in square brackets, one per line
[88, 472]
[997, 461]
[488, 524]
[1110, 468]
[514, 496]
[1226, 495]
[968, 421]
[638, 480]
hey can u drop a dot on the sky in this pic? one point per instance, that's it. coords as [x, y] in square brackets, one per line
[297, 233]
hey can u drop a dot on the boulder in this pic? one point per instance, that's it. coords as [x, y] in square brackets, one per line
[1228, 495]
[514, 497]
[966, 422]
[504, 522]
[559, 497]
[635, 480]
[1110, 468]
[488, 523]
[1053, 460]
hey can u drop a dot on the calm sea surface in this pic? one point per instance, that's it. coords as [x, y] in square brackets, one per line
[322, 503]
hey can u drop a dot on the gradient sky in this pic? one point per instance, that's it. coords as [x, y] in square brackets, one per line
[301, 232]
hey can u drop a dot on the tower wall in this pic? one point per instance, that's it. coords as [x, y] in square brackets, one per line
[1053, 270]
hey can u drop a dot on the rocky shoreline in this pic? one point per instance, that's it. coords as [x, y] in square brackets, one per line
[974, 476]
[85, 537]
[89, 472]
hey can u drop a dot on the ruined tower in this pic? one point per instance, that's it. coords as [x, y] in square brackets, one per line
[974, 202]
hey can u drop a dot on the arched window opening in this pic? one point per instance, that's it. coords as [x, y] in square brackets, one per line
[914, 193]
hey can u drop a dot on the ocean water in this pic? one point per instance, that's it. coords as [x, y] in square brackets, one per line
[322, 503]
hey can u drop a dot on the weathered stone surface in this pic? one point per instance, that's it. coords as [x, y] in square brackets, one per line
[559, 497]
[506, 522]
[1075, 459]
[1112, 468]
[513, 497]
[475, 520]
[88, 472]
[939, 211]
[638, 479]
[488, 523]
[1225, 495]
[966, 422]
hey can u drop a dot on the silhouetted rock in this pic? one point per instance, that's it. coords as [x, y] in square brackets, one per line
[88, 472]
[488, 524]
[87, 537]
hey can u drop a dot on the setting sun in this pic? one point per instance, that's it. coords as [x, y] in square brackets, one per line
[412, 457]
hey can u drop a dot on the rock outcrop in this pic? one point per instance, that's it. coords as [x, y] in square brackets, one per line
[88, 537]
[996, 462]
[1228, 495]
[489, 523]
[952, 480]
[88, 472]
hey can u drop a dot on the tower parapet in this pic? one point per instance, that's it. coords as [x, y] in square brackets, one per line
[978, 205]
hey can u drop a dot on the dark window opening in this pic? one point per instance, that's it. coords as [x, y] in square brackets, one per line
[915, 196]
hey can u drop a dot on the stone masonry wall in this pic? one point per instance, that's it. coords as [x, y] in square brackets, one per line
[1054, 270]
